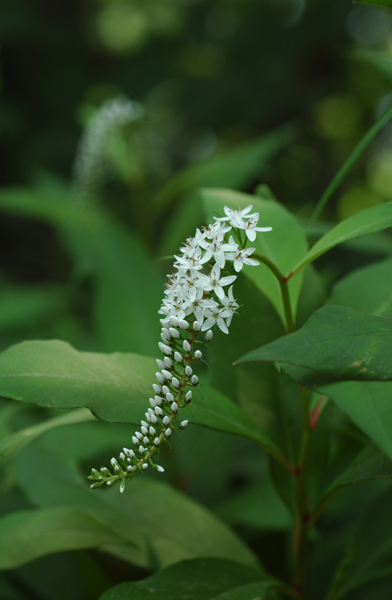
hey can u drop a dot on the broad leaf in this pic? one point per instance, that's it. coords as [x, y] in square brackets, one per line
[337, 342]
[202, 579]
[367, 289]
[164, 525]
[16, 441]
[369, 554]
[27, 535]
[285, 245]
[368, 221]
[115, 387]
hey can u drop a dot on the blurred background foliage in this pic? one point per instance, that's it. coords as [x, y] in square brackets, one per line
[112, 114]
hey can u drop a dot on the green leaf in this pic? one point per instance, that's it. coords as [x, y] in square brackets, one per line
[163, 525]
[27, 535]
[367, 289]
[232, 170]
[369, 554]
[370, 464]
[337, 342]
[202, 579]
[16, 441]
[23, 305]
[115, 387]
[368, 221]
[285, 245]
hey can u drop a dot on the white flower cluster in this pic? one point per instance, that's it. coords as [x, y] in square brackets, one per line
[194, 302]
[91, 156]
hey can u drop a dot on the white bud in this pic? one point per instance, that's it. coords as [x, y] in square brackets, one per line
[188, 396]
[177, 357]
[194, 380]
[165, 389]
[174, 332]
[152, 402]
[151, 430]
[109, 482]
[138, 435]
[168, 432]
[168, 362]
[160, 377]
[130, 468]
[135, 440]
[141, 449]
[160, 363]
[156, 442]
[116, 469]
[158, 411]
[165, 348]
[158, 400]
[166, 420]
[144, 424]
[183, 424]
[166, 374]
[196, 326]
[113, 462]
[160, 469]
[154, 419]
[174, 321]
[184, 324]
[208, 335]
[146, 441]
[156, 388]
[122, 456]
[144, 466]
[188, 371]
[169, 397]
[175, 382]
[186, 345]
[148, 417]
[197, 354]
[144, 430]
[122, 486]
[174, 407]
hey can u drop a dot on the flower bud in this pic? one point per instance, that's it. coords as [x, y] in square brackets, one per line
[184, 324]
[177, 357]
[194, 380]
[186, 345]
[196, 326]
[197, 354]
[208, 335]
[188, 371]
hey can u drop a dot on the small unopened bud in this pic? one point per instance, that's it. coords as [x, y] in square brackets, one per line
[186, 345]
[138, 435]
[156, 442]
[153, 419]
[166, 374]
[160, 377]
[166, 420]
[158, 411]
[168, 432]
[160, 363]
[122, 456]
[208, 335]
[130, 468]
[144, 466]
[165, 389]
[168, 362]
[151, 430]
[169, 397]
[158, 400]
[184, 324]
[152, 402]
[175, 382]
[144, 430]
[122, 486]
[156, 388]
[174, 332]
[196, 326]
[177, 357]
[174, 321]
[197, 354]
[160, 469]
[188, 396]
[188, 371]
[165, 349]
[135, 440]
[174, 407]
[183, 424]
[194, 380]
[146, 441]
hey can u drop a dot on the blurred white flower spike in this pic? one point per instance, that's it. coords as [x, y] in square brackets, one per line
[195, 301]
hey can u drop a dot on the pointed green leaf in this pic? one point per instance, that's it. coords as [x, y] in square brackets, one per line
[115, 387]
[337, 342]
[285, 245]
[16, 441]
[202, 579]
[163, 525]
[368, 221]
[26, 535]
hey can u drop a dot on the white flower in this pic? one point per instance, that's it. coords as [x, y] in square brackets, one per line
[217, 282]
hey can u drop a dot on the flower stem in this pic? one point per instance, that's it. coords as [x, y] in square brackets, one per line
[283, 283]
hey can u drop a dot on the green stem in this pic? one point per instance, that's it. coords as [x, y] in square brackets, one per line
[283, 283]
[301, 537]
[350, 162]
